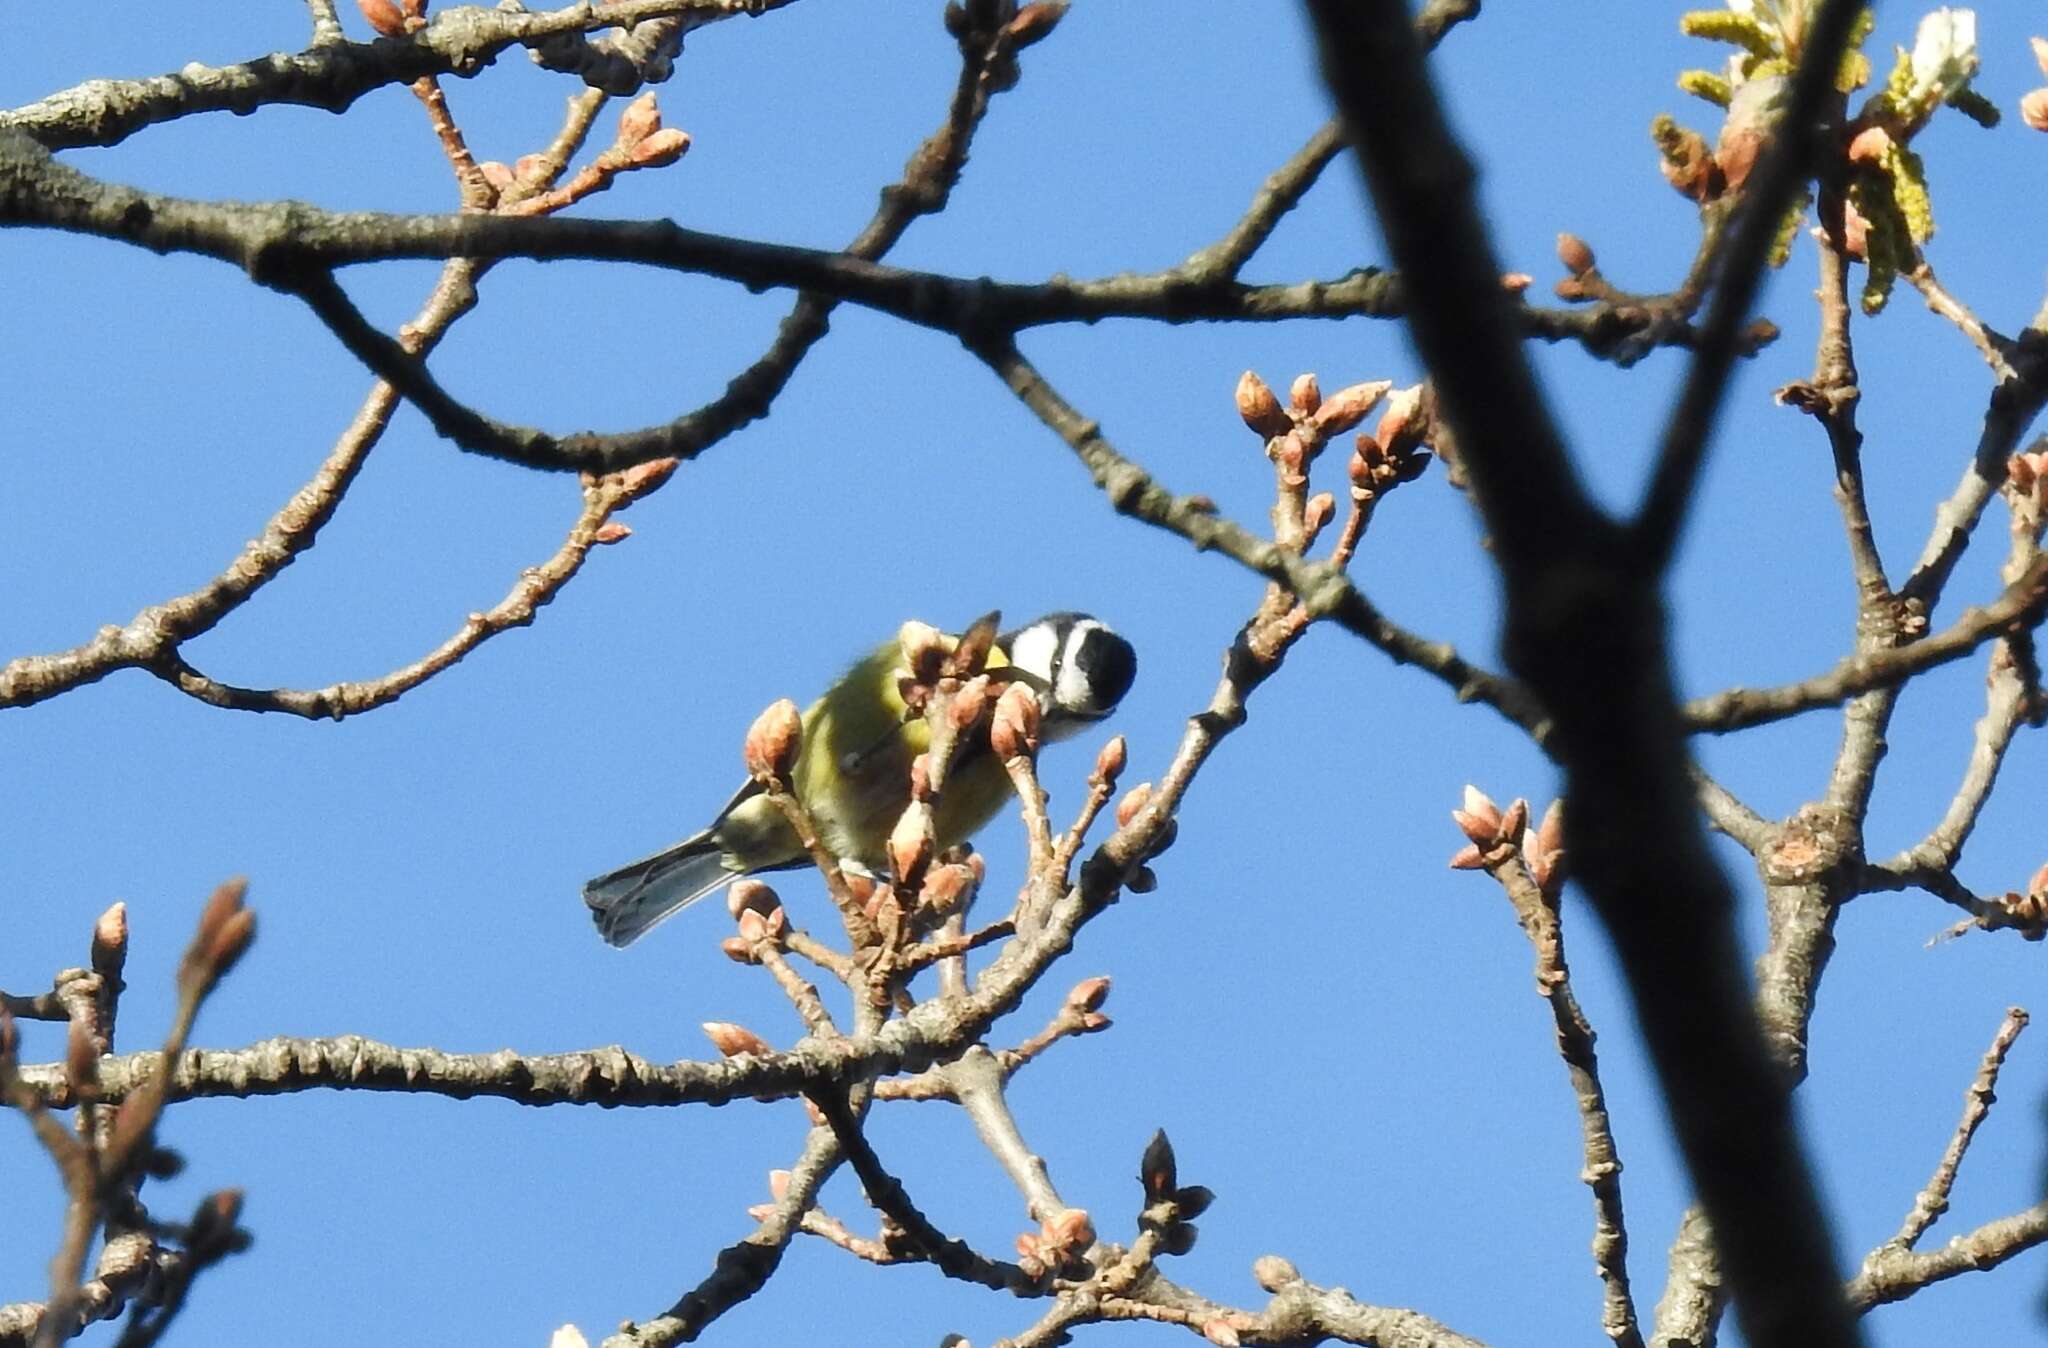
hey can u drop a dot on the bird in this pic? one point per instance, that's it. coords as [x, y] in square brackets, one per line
[852, 773]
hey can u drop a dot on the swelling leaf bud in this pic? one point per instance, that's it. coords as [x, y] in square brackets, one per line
[1320, 510]
[659, 150]
[641, 119]
[1305, 395]
[1259, 408]
[1014, 731]
[231, 942]
[751, 896]
[1088, 994]
[643, 478]
[1575, 253]
[1133, 801]
[1274, 1273]
[969, 704]
[733, 1040]
[1479, 819]
[1516, 821]
[774, 741]
[1034, 23]
[1069, 1230]
[1109, 762]
[110, 941]
[1348, 406]
[1157, 1170]
[910, 842]
[383, 16]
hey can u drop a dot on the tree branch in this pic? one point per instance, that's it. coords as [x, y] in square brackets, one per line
[332, 75]
[1586, 628]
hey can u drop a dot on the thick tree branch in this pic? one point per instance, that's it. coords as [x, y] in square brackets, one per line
[1586, 628]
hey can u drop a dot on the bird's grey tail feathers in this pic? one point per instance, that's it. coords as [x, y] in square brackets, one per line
[630, 900]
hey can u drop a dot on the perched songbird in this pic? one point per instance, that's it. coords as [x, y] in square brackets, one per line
[853, 772]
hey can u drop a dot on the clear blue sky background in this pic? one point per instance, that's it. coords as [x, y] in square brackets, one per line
[1340, 1035]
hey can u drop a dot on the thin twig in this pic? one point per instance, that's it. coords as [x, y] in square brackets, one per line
[1931, 1202]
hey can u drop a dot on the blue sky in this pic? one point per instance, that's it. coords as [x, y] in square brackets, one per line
[1339, 1034]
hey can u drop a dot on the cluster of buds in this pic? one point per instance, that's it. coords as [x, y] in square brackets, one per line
[394, 20]
[1170, 1206]
[1494, 835]
[1296, 433]
[1396, 451]
[2026, 491]
[642, 141]
[760, 916]
[1058, 1245]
